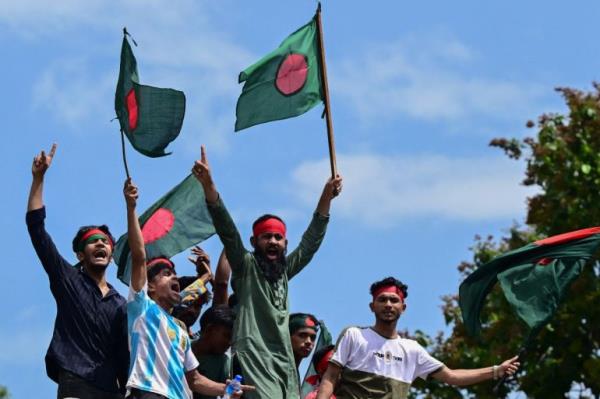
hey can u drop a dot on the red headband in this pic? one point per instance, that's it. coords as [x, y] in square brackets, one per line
[392, 289]
[91, 232]
[270, 225]
[156, 261]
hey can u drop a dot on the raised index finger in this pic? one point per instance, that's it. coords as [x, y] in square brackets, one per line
[203, 153]
[52, 150]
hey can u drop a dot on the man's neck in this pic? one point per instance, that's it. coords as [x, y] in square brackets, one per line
[298, 360]
[99, 277]
[387, 330]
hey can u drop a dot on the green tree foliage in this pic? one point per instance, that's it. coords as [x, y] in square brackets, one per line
[563, 160]
[4, 393]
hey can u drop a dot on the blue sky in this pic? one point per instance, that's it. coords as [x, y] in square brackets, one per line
[418, 90]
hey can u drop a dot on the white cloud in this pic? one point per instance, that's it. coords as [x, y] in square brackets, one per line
[428, 79]
[73, 94]
[197, 58]
[384, 190]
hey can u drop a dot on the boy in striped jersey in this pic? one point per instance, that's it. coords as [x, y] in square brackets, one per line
[376, 362]
[162, 362]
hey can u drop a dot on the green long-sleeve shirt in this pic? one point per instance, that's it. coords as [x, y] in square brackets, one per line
[261, 336]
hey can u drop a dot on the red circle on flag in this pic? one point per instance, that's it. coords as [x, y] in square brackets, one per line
[158, 226]
[291, 74]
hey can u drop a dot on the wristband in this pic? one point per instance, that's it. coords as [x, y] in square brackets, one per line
[495, 371]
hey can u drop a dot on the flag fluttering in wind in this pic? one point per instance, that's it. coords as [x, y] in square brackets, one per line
[174, 223]
[284, 83]
[534, 278]
[150, 117]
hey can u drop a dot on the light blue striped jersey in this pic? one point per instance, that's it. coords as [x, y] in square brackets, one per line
[161, 353]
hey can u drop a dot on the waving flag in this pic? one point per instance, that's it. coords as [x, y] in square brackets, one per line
[534, 278]
[284, 83]
[174, 223]
[150, 117]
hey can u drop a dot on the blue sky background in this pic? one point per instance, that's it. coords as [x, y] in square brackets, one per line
[418, 90]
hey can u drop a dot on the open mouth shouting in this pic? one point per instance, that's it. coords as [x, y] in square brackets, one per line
[175, 286]
[272, 253]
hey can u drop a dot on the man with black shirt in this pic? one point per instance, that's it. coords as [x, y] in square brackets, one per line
[88, 355]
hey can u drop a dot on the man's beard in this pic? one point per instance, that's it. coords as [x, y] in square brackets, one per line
[272, 270]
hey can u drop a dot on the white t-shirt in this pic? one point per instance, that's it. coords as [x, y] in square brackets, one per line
[373, 363]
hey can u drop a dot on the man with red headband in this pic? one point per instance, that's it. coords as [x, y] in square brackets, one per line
[303, 333]
[162, 362]
[88, 355]
[376, 362]
[260, 282]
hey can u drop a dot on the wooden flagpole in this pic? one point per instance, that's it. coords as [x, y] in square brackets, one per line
[323, 68]
[124, 157]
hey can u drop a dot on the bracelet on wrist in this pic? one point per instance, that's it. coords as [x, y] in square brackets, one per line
[495, 372]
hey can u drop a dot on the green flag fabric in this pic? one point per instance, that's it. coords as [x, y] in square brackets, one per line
[534, 278]
[150, 117]
[284, 83]
[174, 223]
[324, 340]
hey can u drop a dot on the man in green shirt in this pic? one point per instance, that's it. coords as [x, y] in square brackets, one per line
[260, 281]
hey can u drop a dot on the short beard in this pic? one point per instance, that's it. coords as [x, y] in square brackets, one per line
[272, 270]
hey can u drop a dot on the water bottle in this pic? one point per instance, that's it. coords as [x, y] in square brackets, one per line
[233, 386]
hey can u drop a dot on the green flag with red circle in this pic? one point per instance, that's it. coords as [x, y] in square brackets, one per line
[284, 83]
[533, 278]
[174, 223]
[150, 117]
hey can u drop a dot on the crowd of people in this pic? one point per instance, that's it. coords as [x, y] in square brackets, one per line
[144, 347]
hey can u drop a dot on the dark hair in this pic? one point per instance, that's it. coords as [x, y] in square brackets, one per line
[84, 229]
[220, 315]
[265, 217]
[387, 282]
[155, 265]
[320, 353]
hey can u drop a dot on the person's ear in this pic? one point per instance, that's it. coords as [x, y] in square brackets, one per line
[253, 242]
[371, 307]
[286, 242]
[150, 286]
[403, 307]
[79, 256]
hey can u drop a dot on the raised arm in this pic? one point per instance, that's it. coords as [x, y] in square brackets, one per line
[135, 238]
[221, 283]
[315, 233]
[224, 225]
[328, 381]
[40, 165]
[332, 189]
[462, 377]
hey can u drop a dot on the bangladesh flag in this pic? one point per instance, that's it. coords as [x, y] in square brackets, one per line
[150, 117]
[174, 223]
[308, 384]
[534, 278]
[284, 83]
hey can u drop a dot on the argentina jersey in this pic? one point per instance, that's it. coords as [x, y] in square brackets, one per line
[160, 349]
